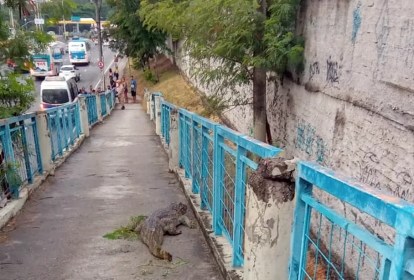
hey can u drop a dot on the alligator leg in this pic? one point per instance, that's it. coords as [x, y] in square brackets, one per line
[171, 228]
[184, 220]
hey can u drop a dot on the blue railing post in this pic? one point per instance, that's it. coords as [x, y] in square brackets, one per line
[204, 167]
[77, 120]
[403, 247]
[37, 146]
[26, 152]
[59, 129]
[239, 207]
[181, 129]
[9, 156]
[70, 122]
[301, 223]
[218, 182]
[162, 119]
[194, 169]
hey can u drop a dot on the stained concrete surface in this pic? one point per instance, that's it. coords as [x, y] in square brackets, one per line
[120, 171]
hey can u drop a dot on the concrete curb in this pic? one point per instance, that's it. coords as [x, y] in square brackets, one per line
[15, 206]
[218, 245]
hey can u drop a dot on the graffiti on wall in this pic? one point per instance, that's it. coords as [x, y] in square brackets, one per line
[332, 73]
[308, 141]
[313, 69]
[356, 23]
[332, 70]
[370, 166]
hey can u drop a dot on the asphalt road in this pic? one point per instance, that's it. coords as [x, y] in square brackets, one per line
[90, 75]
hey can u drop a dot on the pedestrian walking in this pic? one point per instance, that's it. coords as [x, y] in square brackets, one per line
[125, 89]
[111, 75]
[133, 89]
[116, 73]
[119, 93]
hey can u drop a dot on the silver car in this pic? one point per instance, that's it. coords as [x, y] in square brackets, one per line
[69, 72]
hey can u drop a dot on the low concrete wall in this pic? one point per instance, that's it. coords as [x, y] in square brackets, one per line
[44, 136]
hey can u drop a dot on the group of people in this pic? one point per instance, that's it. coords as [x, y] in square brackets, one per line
[120, 86]
[91, 90]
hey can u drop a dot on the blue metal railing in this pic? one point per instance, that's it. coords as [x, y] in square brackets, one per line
[102, 97]
[326, 241]
[110, 98]
[92, 109]
[216, 159]
[20, 158]
[166, 109]
[64, 127]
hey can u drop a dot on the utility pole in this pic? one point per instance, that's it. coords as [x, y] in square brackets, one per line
[98, 4]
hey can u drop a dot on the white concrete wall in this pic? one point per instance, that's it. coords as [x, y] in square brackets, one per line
[353, 107]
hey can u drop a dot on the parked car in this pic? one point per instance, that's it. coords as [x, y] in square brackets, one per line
[69, 72]
[56, 91]
[106, 43]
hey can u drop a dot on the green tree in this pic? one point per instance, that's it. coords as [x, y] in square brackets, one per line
[133, 38]
[16, 92]
[235, 42]
[57, 9]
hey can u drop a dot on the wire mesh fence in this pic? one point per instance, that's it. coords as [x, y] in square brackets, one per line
[327, 244]
[64, 127]
[215, 159]
[20, 157]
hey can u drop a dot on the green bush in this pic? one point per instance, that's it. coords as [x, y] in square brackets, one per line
[150, 76]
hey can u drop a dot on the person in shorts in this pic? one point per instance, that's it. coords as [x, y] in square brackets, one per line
[120, 92]
[133, 89]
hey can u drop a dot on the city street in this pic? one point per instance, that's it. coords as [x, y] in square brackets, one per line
[90, 75]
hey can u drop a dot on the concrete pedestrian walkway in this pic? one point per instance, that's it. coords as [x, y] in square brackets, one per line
[120, 171]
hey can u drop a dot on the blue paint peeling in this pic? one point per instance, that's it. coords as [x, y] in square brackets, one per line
[357, 19]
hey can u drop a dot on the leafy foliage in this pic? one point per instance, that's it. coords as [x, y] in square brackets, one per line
[132, 37]
[126, 232]
[57, 9]
[234, 43]
[16, 94]
[223, 35]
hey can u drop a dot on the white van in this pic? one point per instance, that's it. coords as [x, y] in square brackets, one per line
[56, 91]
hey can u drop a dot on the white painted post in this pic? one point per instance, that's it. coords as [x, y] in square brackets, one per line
[158, 115]
[45, 143]
[147, 97]
[98, 106]
[268, 222]
[173, 148]
[84, 115]
[151, 106]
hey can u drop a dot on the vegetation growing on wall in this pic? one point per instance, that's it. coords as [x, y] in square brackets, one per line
[235, 42]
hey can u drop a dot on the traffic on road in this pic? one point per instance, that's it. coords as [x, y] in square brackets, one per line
[87, 75]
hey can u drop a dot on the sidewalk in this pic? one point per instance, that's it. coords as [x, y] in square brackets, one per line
[120, 171]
